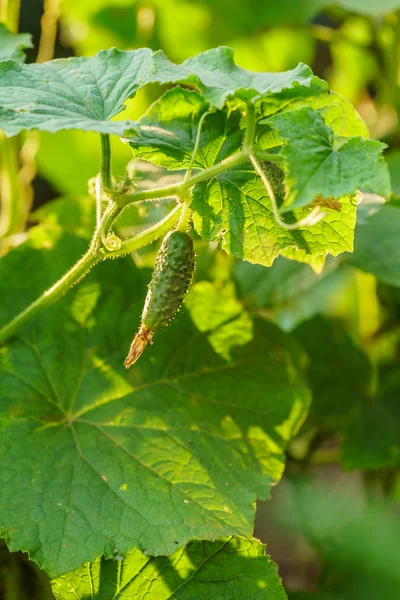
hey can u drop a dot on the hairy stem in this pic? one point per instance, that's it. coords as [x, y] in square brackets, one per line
[250, 129]
[181, 188]
[148, 235]
[262, 155]
[184, 218]
[105, 165]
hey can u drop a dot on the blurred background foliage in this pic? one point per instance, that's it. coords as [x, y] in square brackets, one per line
[333, 523]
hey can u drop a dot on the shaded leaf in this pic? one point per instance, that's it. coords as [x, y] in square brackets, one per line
[357, 539]
[393, 160]
[77, 215]
[372, 435]
[339, 373]
[290, 291]
[222, 569]
[376, 245]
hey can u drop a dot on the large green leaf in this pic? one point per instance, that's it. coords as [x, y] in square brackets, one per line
[289, 290]
[227, 568]
[319, 165]
[12, 45]
[372, 435]
[339, 373]
[85, 93]
[73, 93]
[97, 460]
[338, 113]
[376, 244]
[235, 210]
[217, 76]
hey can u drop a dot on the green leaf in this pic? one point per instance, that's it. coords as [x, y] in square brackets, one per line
[218, 77]
[393, 160]
[76, 215]
[376, 246]
[339, 373]
[227, 568]
[337, 520]
[372, 435]
[85, 93]
[290, 291]
[235, 210]
[74, 93]
[216, 311]
[168, 131]
[338, 113]
[12, 45]
[97, 460]
[319, 165]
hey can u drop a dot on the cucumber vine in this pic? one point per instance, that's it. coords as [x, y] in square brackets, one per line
[105, 245]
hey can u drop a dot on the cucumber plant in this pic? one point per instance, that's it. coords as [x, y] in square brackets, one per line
[122, 476]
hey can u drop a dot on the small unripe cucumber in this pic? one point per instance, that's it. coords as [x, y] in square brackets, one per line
[171, 279]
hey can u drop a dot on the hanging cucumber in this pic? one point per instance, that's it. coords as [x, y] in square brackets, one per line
[171, 279]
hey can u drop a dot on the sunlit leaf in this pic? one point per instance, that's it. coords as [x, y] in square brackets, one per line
[318, 164]
[220, 569]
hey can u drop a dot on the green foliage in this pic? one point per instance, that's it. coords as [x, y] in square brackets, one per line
[339, 373]
[132, 457]
[216, 311]
[325, 166]
[12, 46]
[85, 93]
[223, 569]
[358, 540]
[382, 223]
[372, 435]
[233, 208]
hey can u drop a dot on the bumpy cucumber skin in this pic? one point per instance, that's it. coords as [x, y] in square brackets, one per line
[171, 279]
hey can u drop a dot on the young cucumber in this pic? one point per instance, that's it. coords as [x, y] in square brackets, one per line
[171, 279]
